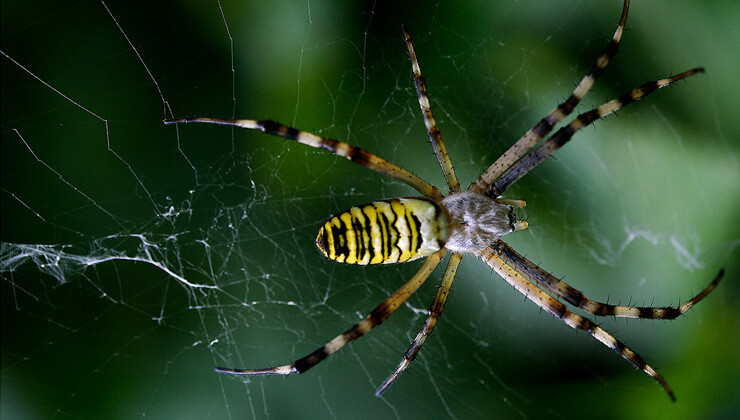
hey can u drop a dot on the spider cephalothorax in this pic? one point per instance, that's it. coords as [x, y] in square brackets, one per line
[476, 221]
[404, 229]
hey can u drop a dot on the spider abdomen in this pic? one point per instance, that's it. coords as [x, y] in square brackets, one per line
[385, 232]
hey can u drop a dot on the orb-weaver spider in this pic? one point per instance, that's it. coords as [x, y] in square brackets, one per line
[470, 221]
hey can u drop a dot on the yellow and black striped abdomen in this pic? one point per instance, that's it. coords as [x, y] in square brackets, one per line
[385, 232]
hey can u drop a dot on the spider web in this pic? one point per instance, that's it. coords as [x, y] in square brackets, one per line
[135, 257]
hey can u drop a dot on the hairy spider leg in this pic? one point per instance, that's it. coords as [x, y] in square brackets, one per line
[435, 311]
[545, 125]
[375, 318]
[435, 137]
[562, 136]
[559, 311]
[351, 153]
[571, 295]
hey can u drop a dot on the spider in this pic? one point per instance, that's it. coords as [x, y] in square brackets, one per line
[464, 222]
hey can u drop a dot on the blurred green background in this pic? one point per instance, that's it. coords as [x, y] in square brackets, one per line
[135, 257]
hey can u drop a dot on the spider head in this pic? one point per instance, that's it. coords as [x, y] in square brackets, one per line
[476, 221]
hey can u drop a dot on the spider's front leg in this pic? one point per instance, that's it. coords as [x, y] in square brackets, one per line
[577, 299]
[545, 125]
[563, 136]
[559, 311]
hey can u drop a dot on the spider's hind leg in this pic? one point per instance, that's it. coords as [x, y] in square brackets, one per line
[375, 318]
[435, 137]
[435, 311]
[347, 151]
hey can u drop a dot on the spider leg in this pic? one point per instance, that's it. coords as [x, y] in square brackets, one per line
[562, 136]
[426, 110]
[434, 313]
[375, 318]
[545, 125]
[352, 153]
[559, 311]
[577, 299]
